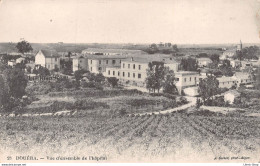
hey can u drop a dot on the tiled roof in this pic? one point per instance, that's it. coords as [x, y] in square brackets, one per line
[146, 58]
[115, 51]
[50, 53]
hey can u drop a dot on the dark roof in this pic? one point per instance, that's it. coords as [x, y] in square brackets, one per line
[50, 53]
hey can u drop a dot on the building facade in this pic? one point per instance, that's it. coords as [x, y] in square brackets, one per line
[204, 62]
[48, 59]
[79, 63]
[100, 63]
[185, 79]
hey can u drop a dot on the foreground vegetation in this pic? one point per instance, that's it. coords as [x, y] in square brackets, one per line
[179, 136]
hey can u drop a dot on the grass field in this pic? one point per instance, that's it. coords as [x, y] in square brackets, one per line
[174, 137]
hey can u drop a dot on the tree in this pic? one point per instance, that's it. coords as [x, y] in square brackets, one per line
[208, 87]
[155, 76]
[99, 78]
[3, 67]
[169, 82]
[43, 71]
[189, 64]
[66, 67]
[17, 82]
[257, 84]
[215, 58]
[24, 46]
[4, 94]
[226, 68]
[175, 48]
[112, 81]
[78, 75]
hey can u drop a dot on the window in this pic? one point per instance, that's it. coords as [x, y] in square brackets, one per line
[113, 62]
[128, 66]
[184, 79]
[128, 74]
[195, 78]
[99, 61]
[120, 61]
[190, 78]
[91, 69]
[113, 73]
[139, 67]
[108, 72]
[177, 79]
[133, 75]
[133, 66]
[118, 74]
[123, 74]
[100, 68]
[107, 62]
[91, 62]
[139, 75]
[123, 65]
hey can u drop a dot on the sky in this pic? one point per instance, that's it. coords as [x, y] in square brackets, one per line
[130, 21]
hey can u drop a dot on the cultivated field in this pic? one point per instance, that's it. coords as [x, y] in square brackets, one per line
[178, 136]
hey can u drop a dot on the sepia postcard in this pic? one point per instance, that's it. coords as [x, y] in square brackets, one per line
[131, 81]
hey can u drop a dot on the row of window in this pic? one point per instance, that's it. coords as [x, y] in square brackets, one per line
[139, 66]
[234, 82]
[124, 75]
[185, 79]
[100, 62]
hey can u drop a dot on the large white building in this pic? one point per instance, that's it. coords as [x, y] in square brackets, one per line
[48, 58]
[133, 72]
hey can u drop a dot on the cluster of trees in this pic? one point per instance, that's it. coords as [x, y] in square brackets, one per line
[66, 66]
[41, 71]
[169, 49]
[247, 53]
[159, 76]
[226, 68]
[13, 82]
[94, 80]
[24, 46]
[208, 88]
[189, 64]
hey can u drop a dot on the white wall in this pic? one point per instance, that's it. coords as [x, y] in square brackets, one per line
[40, 59]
